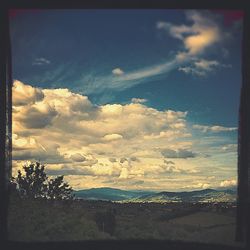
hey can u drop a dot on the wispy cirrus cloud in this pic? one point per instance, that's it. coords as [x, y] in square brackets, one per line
[40, 61]
[195, 39]
[215, 129]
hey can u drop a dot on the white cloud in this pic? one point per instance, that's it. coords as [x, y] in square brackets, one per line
[38, 115]
[23, 94]
[77, 157]
[201, 185]
[117, 72]
[170, 168]
[107, 143]
[205, 64]
[138, 100]
[196, 38]
[228, 183]
[202, 67]
[40, 61]
[124, 173]
[85, 125]
[215, 129]
[112, 137]
[203, 33]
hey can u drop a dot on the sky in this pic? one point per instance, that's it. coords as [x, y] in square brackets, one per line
[130, 99]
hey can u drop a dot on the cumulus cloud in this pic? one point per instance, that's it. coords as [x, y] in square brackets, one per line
[180, 153]
[171, 169]
[117, 71]
[199, 185]
[228, 183]
[111, 142]
[138, 100]
[112, 137]
[124, 174]
[202, 67]
[205, 64]
[215, 129]
[76, 170]
[203, 33]
[34, 151]
[36, 116]
[73, 122]
[77, 157]
[23, 94]
[20, 143]
[129, 160]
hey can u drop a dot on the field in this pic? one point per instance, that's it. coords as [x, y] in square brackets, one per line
[40, 220]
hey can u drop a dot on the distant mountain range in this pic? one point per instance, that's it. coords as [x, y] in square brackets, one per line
[118, 195]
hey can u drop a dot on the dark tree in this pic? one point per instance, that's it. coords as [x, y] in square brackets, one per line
[59, 190]
[34, 183]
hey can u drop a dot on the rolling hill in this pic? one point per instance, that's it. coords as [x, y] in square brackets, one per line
[111, 194]
[206, 195]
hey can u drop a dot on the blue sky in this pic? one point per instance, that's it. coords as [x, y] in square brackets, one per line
[180, 60]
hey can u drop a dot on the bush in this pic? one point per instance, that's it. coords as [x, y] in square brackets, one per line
[34, 183]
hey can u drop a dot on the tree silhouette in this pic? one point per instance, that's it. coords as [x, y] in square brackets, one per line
[58, 190]
[34, 183]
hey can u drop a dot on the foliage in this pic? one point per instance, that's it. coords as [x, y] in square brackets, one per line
[34, 183]
[58, 190]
